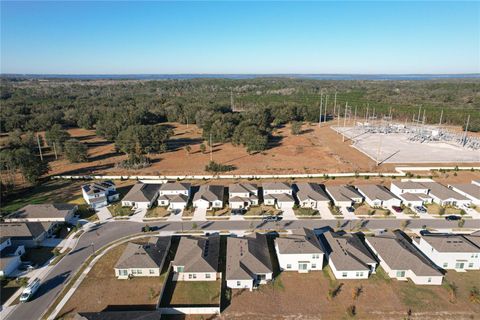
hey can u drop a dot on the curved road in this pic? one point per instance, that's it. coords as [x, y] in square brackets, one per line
[105, 233]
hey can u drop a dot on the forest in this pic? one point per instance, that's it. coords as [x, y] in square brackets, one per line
[244, 112]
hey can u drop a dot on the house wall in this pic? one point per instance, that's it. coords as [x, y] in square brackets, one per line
[240, 284]
[239, 194]
[5, 244]
[450, 201]
[422, 280]
[11, 267]
[474, 200]
[269, 202]
[285, 205]
[348, 274]
[265, 192]
[138, 205]
[471, 260]
[178, 205]
[137, 272]
[398, 191]
[238, 205]
[200, 203]
[195, 276]
[292, 260]
[174, 192]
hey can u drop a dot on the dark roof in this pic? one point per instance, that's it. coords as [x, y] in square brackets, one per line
[56, 210]
[301, 241]
[23, 230]
[119, 315]
[247, 256]
[209, 193]
[198, 254]
[149, 255]
[142, 192]
[175, 186]
[311, 191]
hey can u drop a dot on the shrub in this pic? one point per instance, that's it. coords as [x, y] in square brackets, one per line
[215, 167]
[351, 311]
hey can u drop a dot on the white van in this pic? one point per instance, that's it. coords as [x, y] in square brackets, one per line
[30, 290]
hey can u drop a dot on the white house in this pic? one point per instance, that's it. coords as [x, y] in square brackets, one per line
[28, 234]
[196, 259]
[311, 195]
[449, 251]
[99, 194]
[470, 191]
[300, 251]
[348, 256]
[10, 256]
[445, 196]
[141, 196]
[411, 193]
[242, 195]
[248, 262]
[57, 212]
[378, 196]
[143, 260]
[344, 195]
[278, 194]
[402, 260]
[209, 197]
[175, 195]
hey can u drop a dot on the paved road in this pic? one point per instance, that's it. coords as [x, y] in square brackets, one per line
[110, 231]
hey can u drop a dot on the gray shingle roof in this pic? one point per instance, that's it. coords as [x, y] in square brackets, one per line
[276, 186]
[474, 238]
[149, 255]
[399, 254]
[24, 230]
[443, 193]
[343, 193]
[374, 191]
[449, 242]
[347, 251]
[198, 254]
[209, 193]
[469, 188]
[242, 187]
[45, 211]
[175, 186]
[301, 241]
[311, 191]
[142, 192]
[247, 256]
[408, 185]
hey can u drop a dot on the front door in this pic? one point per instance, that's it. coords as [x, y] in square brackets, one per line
[460, 265]
[302, 267]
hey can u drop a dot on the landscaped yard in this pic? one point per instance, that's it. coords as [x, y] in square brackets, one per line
[117, 210]
[306, 212]
[38, 256]
[101, 289]
[380, 298]
[157, 212]
[436, 209]
[367, 210]
[196, 293]
[261, 210]
[86, 212]
[224, 212]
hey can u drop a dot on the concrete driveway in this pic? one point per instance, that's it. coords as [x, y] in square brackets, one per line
[348, 215]
[138, 215]
[104, 214]
[200, 214]
[175, 217]
[288, 214]
[325, 213]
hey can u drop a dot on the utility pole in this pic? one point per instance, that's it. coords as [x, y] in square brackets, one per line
[232, 105]
[39, 148]
[379, 148]
[441, 116]
[55, 150]
[326, 105]
[320, 113]
[466, 129]
[355, 117]
[211, 148]
[338, 120]
[344, 121]
[366, 114]
[335, 104]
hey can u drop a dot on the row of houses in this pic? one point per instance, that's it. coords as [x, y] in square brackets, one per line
[282, 195]
[250, 262]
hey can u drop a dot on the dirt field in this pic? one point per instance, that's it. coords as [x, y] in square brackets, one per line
[304, 296]
[101, 289]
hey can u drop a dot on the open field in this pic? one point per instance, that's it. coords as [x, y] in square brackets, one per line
[102, 290]
[396, 148]
[304, 296]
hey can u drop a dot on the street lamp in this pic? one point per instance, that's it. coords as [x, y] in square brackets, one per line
[93, 247]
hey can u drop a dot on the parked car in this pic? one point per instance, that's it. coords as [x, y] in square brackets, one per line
[421, 209]
[271, 218]
[350, 209]
[30, 290]
[26, 267]
[452, 218]
[397, 209]
[237, 211]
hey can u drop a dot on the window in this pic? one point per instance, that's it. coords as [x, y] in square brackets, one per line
[429, 280]
[139, 271]
[152, 271]
[445, 265]
[134, 271]
[302, 266]
[238, 283]
[189, 276]
[459, 265]
[401, 274]
[124, 272]
[314, 266]
[316, 256]
[180, 269]
[194, 276]
[470, 265]
[289, 266]
[344, 274]
[207, 276]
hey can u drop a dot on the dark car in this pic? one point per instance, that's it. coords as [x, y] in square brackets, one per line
[271, 218]
[397, 209]
[238, 211]
[452, 218]
[350, 209]
[420, 209]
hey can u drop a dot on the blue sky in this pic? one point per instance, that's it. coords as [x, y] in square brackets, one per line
[240, 37]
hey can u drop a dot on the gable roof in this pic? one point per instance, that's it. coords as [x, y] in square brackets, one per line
[149, 255]
[347, 251]
[198, 254]
[283, 197]
[447, 242]
[408, 196]
[408, 185]
[301, 241]
[471, 189]
[24, 230]
[276, 186]
[43, 211]
[375, 191]
[400, 254]
[247, 257]
[175, 186]
[343, 193]
[242, 187]
[311, 191]
[474, 238]
[443, 193]
[209, 193]
[142, 192]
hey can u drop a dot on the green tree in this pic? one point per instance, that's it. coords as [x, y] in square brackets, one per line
[75, 151]
[56, 136]
[296, 127]
[203, 148]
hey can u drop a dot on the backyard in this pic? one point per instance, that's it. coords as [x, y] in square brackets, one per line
[102, 290]
[196, 293]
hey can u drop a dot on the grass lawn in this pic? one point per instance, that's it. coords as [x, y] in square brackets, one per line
[188, 212]
[196, 293]
[219, 213]
[261, 210]
[101, 289]
[409, 211]
[157, 212]
[365, 209]
[87, 213]
[435, 209]
[306, 212]
[38, 256]
[53, 191]
[117, 210]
